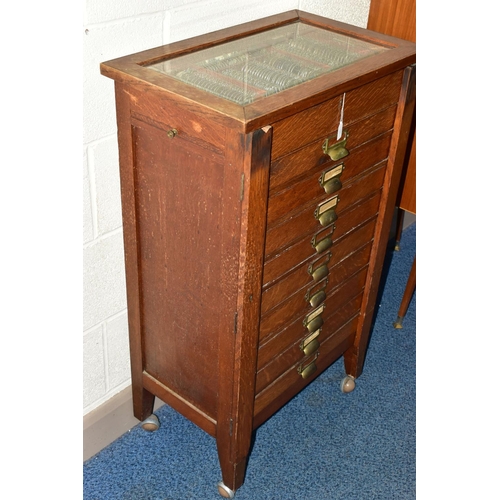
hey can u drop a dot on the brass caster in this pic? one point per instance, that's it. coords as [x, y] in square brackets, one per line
[224, 491]
[347, 384]
[398, 323]
[151, 424]
[397, 247]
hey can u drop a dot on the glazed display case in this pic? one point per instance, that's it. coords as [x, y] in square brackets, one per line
[259, 167]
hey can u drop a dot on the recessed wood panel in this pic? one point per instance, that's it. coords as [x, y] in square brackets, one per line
[178, 290]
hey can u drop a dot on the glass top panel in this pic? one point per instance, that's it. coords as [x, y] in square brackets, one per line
[257, 66]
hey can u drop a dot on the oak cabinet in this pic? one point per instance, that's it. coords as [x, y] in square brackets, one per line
[259, 169]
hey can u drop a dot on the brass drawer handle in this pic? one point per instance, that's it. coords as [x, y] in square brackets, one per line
[327, 217]
[316, 294]
[318, 298]
[337, 150]
[330, 179]
[311, 347]
[320, 245]
[310, 344]
[308, 370]
[319, 273]
[318, 269]
[325, 213]
[313, 321]
[315, 324]
[172, 133]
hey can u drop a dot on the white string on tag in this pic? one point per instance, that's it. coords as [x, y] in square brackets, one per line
[341, 122]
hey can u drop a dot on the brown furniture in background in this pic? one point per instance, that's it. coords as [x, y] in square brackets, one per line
[255, 231]
[398, 18]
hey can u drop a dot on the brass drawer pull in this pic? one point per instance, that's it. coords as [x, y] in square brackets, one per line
[314, 324]
[319, 268]
[337, 150]
[318, 298]
[328, 217]
[172, 133]
[321, 244]
[313, 321]
[316, 294]
[320, 272]
[330, 179]
[325, 213]
[311, 347]
[311, 343]
[308, 370]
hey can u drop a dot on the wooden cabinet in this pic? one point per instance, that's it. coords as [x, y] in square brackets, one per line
[398, 18]
[259, 170]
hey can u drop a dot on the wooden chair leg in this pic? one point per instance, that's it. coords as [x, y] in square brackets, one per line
[407, 295]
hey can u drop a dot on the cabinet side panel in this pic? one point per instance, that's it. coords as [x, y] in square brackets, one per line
[179, 199]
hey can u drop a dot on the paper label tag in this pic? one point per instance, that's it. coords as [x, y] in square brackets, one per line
[333, 172]
[341, 121]
[311, 337]
[315, 313]
[328, 205]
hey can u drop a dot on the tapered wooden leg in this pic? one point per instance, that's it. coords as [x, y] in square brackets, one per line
[233, 476]
[233, 473]
[399, 227]
[407, 295]
[143, 402]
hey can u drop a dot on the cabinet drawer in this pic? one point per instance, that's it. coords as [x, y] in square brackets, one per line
[334, 318]
[296, 306]
[292, 200]
[292, 352]
[304, 226]
[290, 383]
[355, 237]
[348, 262]
[322, 120]
[368, 143]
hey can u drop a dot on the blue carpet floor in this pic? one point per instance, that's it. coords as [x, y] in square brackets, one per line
[323, 445]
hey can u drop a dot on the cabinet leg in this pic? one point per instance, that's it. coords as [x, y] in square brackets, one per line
[353, 362]
[399, 227]
[233, 475]
[143, 402]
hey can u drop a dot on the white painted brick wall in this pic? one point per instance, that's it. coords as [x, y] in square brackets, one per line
[113, 29]
[348, 11]
[190, 20]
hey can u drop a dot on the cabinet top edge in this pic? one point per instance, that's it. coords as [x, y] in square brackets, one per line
[132, 69]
